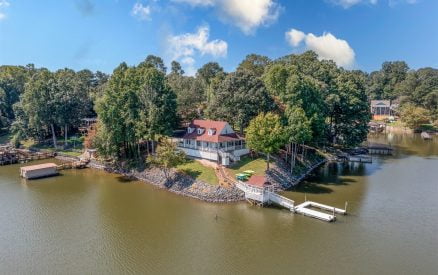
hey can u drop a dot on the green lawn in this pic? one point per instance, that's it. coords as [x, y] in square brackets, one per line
[49, 147]
[258, 165]
[198, 171]
[71, 153]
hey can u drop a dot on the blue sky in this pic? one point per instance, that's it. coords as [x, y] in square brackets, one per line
[99, 35]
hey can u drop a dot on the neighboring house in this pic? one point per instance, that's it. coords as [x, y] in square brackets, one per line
[382, 109]
[212, 140]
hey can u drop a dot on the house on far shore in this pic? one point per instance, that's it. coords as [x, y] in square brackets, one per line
[383, 109]
[212, 140]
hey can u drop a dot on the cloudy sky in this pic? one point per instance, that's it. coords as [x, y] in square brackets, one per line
[356, 34]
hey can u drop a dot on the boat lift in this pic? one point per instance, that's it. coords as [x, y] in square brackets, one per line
[266, 195]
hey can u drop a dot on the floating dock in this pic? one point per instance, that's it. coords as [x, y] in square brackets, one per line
[262, 196]
[305, 209]
[379, 149]
[39, 171]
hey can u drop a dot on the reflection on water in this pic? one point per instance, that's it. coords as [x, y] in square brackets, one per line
[88, 221]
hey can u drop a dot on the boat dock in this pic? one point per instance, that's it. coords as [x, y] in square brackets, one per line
[9, 155]
[305, 209]
[39, 171]
[262, 196]
[379, 149]
[360, 158]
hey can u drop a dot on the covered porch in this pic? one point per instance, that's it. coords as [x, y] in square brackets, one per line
[208, 146]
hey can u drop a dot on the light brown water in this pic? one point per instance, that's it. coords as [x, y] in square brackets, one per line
[87, 221]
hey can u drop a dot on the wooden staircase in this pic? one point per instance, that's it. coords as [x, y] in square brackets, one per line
[224, 179]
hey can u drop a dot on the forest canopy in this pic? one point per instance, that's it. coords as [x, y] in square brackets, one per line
[318, 102]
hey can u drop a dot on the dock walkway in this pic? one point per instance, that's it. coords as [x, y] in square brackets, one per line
[265, 195]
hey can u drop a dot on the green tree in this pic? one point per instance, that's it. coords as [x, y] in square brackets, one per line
[266, 134]
[39, 103]
[191, 100]
[239, 98]
[384, 84]
[210, 71]
[414, 116]
[167, 157]
[71, 100]
[255, 64]
[292, 88]
[137, 105]
[176, 68]
[155, 62]
[12, 83]
[298, 131]
[4, 121]
[349, 111]
[421, 89]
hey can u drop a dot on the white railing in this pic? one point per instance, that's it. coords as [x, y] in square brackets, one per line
[212, 149]
[265, 195]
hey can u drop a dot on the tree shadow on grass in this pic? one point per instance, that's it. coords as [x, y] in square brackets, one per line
[190, 172]
[247, 159]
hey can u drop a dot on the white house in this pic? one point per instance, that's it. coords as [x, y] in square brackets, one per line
[212, 140]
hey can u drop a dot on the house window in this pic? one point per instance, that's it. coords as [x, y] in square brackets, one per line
[190, 130]
[201, 131]
[198, 144]
[211, 131]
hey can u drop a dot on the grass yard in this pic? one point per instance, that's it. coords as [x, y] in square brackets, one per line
[258, 165]
[198, 171]
[70, 153]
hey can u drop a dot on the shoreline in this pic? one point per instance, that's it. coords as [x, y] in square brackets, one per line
[184, 185]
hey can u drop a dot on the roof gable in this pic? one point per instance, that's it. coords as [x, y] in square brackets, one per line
[222, 131]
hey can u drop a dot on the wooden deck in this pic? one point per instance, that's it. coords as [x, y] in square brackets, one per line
[264, 196]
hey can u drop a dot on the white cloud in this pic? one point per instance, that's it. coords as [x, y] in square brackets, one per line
[3, 5]
[247, 15]
[327, 46]
[186, 46]
[141, 11]
[197, 2]
[294, 37]
[349, 3]
[189, 65]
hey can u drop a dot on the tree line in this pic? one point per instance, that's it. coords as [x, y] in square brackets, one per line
[316, 101]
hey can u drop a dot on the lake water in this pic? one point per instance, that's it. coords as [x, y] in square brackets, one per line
[88, 221]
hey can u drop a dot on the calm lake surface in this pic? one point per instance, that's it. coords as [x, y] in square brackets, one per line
[88, 221]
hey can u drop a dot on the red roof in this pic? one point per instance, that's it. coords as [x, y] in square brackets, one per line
[217, 126]
[258, 181]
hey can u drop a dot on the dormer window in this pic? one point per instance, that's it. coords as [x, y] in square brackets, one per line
[211, 131]
[201, 131]
[190, 130]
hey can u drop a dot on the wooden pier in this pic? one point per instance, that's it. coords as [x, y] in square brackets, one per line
[360, 158]
[80, 164]
[345, 157]
[263, 196]
[379, 149]
[9, 155]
